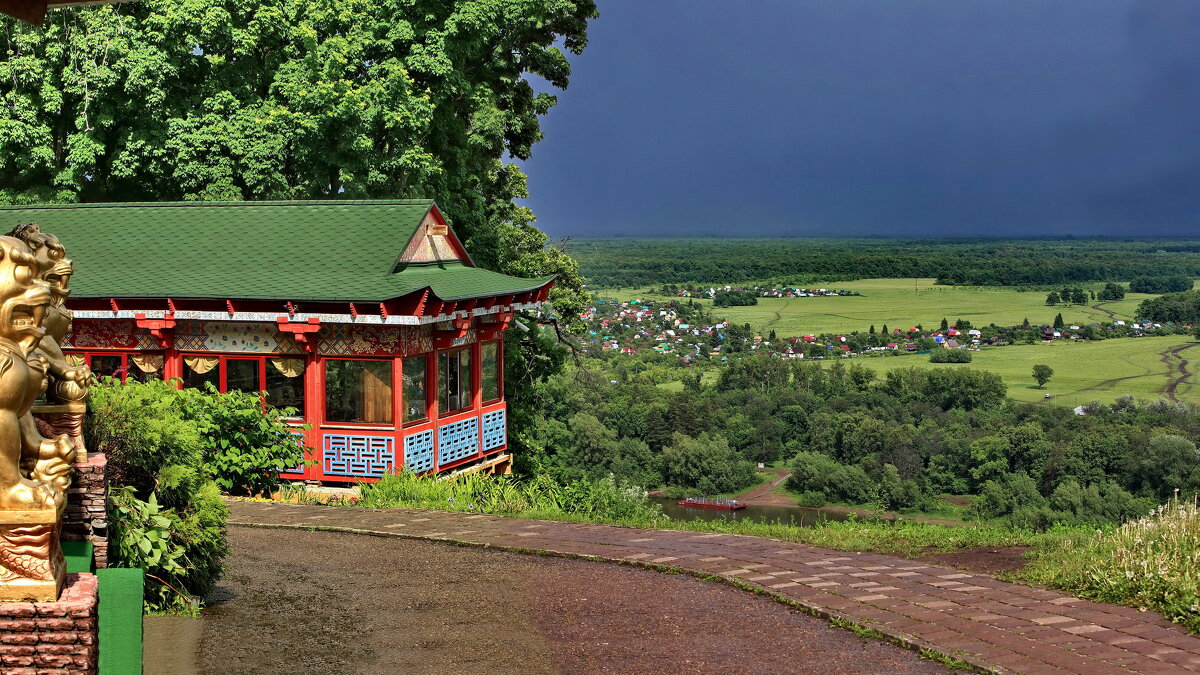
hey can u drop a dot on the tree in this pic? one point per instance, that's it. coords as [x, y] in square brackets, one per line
[885, 330]
[1079, 297]
[945, 324]
[1042, 373]
[1052, 298]
[872, 331]
[1058, 321]
[1111, 291]
[295, 99]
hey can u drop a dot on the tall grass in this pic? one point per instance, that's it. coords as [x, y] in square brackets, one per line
[603, 499]
[1152, 563]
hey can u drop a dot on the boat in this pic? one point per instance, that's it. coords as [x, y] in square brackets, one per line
[710, 503]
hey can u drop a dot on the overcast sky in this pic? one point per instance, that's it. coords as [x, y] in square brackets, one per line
[894, 117]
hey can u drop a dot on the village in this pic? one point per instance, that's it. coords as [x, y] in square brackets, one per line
[691, 332]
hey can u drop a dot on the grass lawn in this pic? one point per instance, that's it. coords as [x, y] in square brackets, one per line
[903, 303]
[1083, 371]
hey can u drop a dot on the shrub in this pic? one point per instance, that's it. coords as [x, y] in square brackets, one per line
[894, 492]
[705, 463]
[248, 444]
[166, 514]
[950, 356]
[815, 472]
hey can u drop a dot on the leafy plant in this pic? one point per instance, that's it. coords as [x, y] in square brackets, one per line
[158, 474]
[248, 444]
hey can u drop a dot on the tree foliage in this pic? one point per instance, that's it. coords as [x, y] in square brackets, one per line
[294, 99]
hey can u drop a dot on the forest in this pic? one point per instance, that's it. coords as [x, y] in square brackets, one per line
[645, 261]
[849, 436]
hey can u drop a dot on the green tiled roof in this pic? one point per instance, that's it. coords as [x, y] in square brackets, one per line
[315, 250]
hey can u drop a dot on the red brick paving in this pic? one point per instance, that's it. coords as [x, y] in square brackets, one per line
[991, 624]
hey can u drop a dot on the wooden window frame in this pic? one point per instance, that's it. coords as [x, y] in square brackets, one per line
[499, 371]
[476, 385]
[323, 399]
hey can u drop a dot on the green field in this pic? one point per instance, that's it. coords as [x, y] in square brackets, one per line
[904, 303]
[1083, 371]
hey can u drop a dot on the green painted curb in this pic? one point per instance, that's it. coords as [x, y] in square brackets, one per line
[78, 555]
[120, 621]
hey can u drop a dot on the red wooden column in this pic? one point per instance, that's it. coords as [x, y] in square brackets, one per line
[398, 411]
[431, 399]
[477, 390]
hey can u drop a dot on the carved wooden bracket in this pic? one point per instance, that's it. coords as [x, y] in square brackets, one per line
[161, 330]
[496, 327]
[304, 333]
[458, 329]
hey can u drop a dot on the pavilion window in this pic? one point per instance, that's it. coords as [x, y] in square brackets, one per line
[285, 383]
[241, 375]
[489, 363]
[201, 370]
[455, 383]
[415, 374]
[142, 367]
[358, 391]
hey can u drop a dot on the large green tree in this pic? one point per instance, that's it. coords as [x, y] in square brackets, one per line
[294, 99]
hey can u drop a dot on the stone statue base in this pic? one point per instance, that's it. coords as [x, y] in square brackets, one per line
[32, 568]
[63, 418]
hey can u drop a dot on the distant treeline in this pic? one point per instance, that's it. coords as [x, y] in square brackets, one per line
[646, 261]
[1172, 307]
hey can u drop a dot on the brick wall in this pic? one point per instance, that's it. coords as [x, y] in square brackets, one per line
[86, 517]
[51, 637]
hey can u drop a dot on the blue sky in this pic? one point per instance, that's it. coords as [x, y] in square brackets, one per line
[891, 117]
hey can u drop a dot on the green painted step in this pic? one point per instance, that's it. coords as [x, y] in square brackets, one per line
[120, 621]
[78, 555]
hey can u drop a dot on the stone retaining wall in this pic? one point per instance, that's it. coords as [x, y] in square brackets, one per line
[86, 517]
[51, 637]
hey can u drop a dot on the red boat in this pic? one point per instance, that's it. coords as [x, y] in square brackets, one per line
[710, 503]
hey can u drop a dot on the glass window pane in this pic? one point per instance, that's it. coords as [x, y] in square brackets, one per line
[285, 384]
[454, 380]
[198, 370]
[444, 382]
[241, 375]
[413, 373]
[108, 365]
[489, 363]
[466, 379]
[358, 391]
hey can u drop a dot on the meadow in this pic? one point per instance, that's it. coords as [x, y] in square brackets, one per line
[1083, 371]
[904, 303]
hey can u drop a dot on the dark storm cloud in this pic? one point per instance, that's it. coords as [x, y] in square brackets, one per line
[990, 117]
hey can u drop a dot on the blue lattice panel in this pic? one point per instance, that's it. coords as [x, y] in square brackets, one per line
[418, 451]
[458, 440]
[495, 430]
[299, 468]
[357, 456]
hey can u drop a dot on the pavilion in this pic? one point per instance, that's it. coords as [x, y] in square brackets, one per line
[368, 317]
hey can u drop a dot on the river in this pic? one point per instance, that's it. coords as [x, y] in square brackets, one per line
[796, 515]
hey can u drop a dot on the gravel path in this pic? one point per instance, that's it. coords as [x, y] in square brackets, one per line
[303, 601]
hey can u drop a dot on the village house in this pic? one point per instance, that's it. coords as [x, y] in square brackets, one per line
[369, 318]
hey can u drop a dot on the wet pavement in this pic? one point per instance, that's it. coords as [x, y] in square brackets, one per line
[992, 625]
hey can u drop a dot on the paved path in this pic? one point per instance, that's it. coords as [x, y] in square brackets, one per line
[992, 625]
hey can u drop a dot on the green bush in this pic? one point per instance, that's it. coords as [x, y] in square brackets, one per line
[248, 444]
[166, 515]
[950, 356]
[816, 472]
[705, 463]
